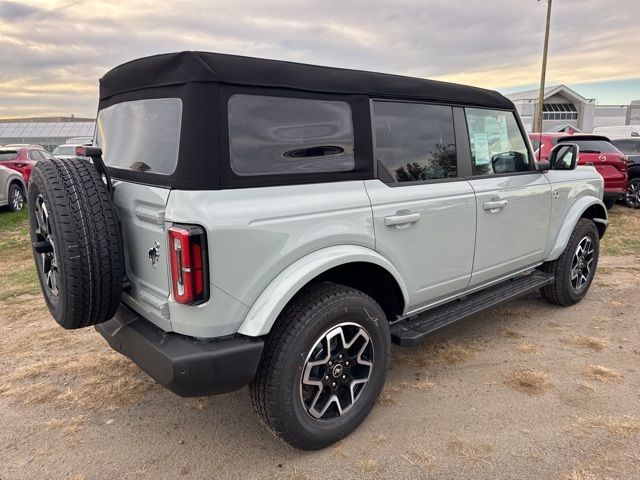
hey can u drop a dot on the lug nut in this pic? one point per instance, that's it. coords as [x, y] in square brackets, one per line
[333, 384]
[340, 356]
[331, 364]
[326, 377]
[344, 377]
[347, 363]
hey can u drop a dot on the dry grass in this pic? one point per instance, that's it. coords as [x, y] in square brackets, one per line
[69, 426]
[623, 234]
[89, 380]
[617, 426]
[530, 382]
[590, 343]
[473, 452]
[369, 465]
[509, 333]
[578, 474]
[529, 348]
[602, 374]
[432, 354]
[424, 461]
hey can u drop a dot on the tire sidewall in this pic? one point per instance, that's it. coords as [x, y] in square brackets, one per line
[301, 425]
[38, 187]
[583, 229]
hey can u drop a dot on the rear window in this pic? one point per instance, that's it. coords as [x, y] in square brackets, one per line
[593, 146]
[5, 155]
[64, 151]
[279, 135]
[142, 135]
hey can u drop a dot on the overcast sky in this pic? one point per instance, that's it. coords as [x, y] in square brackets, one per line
[53, 52]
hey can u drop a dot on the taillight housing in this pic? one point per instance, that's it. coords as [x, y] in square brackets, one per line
[188, 260]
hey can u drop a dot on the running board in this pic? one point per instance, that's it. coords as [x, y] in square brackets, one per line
[412, 330]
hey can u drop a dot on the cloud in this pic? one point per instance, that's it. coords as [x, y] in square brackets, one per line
[53, 53]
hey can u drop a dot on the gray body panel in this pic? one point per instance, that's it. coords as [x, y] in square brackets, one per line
[265, 244]
[7, 176]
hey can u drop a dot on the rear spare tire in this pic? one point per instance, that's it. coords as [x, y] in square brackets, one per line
[76, 242]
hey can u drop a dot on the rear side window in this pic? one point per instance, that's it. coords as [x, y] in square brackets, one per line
[8, 156]
[142, 135]
[279, 135]
[628, 147]
[497, 144]
[414, 142]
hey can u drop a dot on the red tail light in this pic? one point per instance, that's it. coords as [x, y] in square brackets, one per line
[188, 257]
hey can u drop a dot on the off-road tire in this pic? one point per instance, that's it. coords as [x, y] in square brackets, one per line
[16, 189]
[561, 292]
[275, 390]
[85, 235]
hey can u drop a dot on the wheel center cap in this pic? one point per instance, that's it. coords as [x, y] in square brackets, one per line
[337, 370]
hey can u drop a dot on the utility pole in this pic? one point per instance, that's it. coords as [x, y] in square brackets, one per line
[538, 121]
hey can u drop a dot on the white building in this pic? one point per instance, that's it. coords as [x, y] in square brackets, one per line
[563, 106]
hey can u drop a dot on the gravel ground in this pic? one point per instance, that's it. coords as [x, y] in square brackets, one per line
[527, 390]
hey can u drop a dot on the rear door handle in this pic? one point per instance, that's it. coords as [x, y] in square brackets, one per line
[403, 219]
[494, 205]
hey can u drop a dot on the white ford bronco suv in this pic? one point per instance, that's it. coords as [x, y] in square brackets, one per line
[272, 224]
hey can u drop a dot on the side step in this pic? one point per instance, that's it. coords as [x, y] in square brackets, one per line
[412, 330]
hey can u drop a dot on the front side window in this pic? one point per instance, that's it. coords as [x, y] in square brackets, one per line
[414, 142]
[281, 135]
[142, 135]
[497, 144]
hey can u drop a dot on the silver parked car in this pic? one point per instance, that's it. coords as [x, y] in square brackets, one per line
[12, 189]
[249, 221]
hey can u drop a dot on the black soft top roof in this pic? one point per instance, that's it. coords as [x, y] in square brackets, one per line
[185, 67]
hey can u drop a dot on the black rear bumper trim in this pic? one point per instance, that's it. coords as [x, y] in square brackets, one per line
[188, 366]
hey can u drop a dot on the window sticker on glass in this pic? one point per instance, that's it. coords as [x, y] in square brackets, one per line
[503, 133]
[481, 148]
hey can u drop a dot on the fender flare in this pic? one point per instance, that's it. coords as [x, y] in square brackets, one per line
[266, 308]
[571, 219]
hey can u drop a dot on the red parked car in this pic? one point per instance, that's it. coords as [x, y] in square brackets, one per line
[595, 150]
[23, 158]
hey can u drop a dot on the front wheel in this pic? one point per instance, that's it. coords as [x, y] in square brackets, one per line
[323, 367]
[632, 196]
[575, 268]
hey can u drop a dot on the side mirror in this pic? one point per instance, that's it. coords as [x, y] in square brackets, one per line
[564, 156]
[543, 166]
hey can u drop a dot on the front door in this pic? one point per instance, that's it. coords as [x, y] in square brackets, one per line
[513, 199]
[424, 211]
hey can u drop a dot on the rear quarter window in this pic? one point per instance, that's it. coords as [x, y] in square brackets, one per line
[278, 135]
[141, 135]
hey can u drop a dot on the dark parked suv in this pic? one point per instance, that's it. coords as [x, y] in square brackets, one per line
[631, 148]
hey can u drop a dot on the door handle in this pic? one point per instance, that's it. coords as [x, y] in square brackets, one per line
[401, 219]
[494, 205]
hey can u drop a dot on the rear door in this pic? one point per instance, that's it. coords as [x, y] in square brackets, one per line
[423, 208]
[143, 136]
[513, 199]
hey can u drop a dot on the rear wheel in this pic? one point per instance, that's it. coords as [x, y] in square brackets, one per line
[575, 268]
[323, 367]
[16, 197]
[632, 196]
[76, 242]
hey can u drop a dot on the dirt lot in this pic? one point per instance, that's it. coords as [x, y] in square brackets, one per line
[527, 390]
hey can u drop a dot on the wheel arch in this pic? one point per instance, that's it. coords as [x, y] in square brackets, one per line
[352, 265]
[586, 207]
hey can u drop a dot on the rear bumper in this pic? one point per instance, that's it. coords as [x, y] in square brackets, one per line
[613, 193]
[187, 366]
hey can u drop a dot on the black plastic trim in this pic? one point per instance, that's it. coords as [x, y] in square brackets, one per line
[188, 366]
